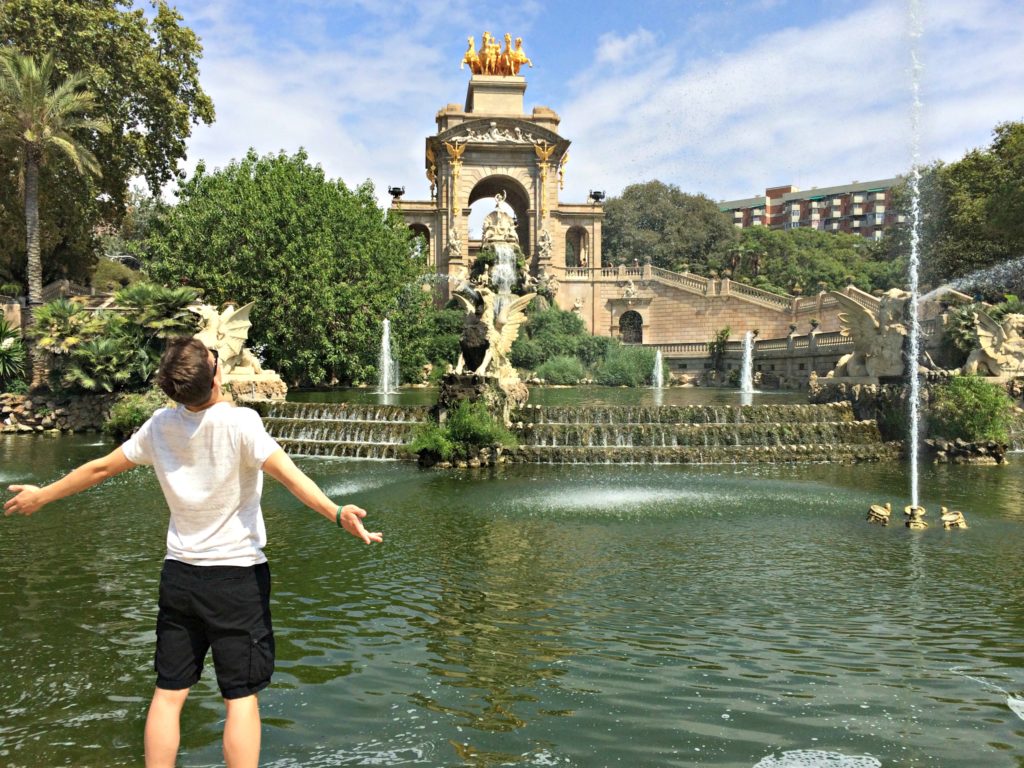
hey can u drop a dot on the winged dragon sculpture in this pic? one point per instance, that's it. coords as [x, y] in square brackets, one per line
[1000, 345]
[877, 335]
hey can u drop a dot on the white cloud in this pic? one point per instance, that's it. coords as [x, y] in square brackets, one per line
[613, 49]
[817, 105]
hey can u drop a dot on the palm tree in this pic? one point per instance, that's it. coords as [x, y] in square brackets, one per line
[41, 120]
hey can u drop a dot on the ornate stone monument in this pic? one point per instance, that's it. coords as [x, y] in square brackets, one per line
[1000, 350]
[492, 146]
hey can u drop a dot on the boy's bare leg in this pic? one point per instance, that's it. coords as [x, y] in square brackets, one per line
[242, 733]
[163, 730]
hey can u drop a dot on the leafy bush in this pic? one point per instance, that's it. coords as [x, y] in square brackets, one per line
[562, 370]
[970, 408]
[131, 411]
[12, 355]
[526, 354]
[716, 349]
[10, 289]
[105, 350]
[629, 366]
[469, 428]
[111, 275]
[432, 440]
[445, 328]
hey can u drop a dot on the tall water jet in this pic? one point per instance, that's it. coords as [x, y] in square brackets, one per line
[658, 374]
[915, 247]
[387, 365]
[747, 371]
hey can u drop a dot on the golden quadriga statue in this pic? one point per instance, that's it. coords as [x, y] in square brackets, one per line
[242, 373]
[491, 59]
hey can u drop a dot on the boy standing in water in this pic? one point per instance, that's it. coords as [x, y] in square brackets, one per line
[215, 585]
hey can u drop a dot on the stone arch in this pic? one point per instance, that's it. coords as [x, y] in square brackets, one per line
[422, 231]
[516, 196]
[577, 251]
[631, 327]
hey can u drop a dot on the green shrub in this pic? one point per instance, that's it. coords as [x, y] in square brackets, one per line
[562, 370]
[591, 349]
[716, 349]
[469, 428]
[970, 408]
[12, 355]
[13, 290]
[526, 354]
[131, 411]
[630, 366]
[432, 440]
[112, 275]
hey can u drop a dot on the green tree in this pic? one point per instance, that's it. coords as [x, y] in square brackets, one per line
[324, 264]
[778, 260]
[41, 119]
[658, 222]
[971, 213]
[142, 67]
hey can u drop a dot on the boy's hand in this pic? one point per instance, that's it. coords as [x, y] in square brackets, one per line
[352, 521]
[25, 503]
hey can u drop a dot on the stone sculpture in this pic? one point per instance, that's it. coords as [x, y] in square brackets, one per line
[1000, 349]
[879, 514]
[954, 519]
[227, 331]
[878, 336]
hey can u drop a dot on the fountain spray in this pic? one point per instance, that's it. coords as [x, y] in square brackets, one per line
[915, 246]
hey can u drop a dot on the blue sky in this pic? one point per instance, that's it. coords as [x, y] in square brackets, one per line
[723, 98]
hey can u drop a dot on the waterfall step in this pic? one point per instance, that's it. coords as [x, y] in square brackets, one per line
[699, 435]
[343, 449]
[342, 412]
[744, 454]
[685, 414]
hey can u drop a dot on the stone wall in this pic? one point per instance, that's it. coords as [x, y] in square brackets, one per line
[48, 413]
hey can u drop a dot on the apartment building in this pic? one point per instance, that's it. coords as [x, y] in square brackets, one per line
[859, 208]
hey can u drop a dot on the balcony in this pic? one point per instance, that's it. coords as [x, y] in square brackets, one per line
[880, 208]
[855, 223]
[858, 198]
[837, 211]
[857, 210]
[837, 201]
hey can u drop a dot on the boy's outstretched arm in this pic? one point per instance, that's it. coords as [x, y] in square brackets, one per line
[280, 467]
[31, 499]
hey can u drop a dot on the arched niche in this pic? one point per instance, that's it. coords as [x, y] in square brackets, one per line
[421, 235]
[631, 327]
[577, 250]
[516, 197]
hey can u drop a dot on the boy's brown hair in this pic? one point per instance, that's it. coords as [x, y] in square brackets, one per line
[185, 374]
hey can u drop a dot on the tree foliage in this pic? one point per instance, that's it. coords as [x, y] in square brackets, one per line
[781, 260]
[658, 222]
[142, 68]
[972, 214]
[324, 264]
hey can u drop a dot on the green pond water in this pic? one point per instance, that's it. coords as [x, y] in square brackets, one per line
[546, 616]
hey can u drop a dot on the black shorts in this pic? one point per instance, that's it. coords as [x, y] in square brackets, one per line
[223, 607]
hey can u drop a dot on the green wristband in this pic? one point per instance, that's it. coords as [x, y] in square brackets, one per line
[337, 517]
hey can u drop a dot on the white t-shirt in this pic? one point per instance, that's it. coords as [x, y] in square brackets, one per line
[208, 464]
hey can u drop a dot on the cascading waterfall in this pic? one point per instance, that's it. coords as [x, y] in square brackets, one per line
[387, 366]
[658, 375]
[915, 246]
[747, 372]
[503, 275]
